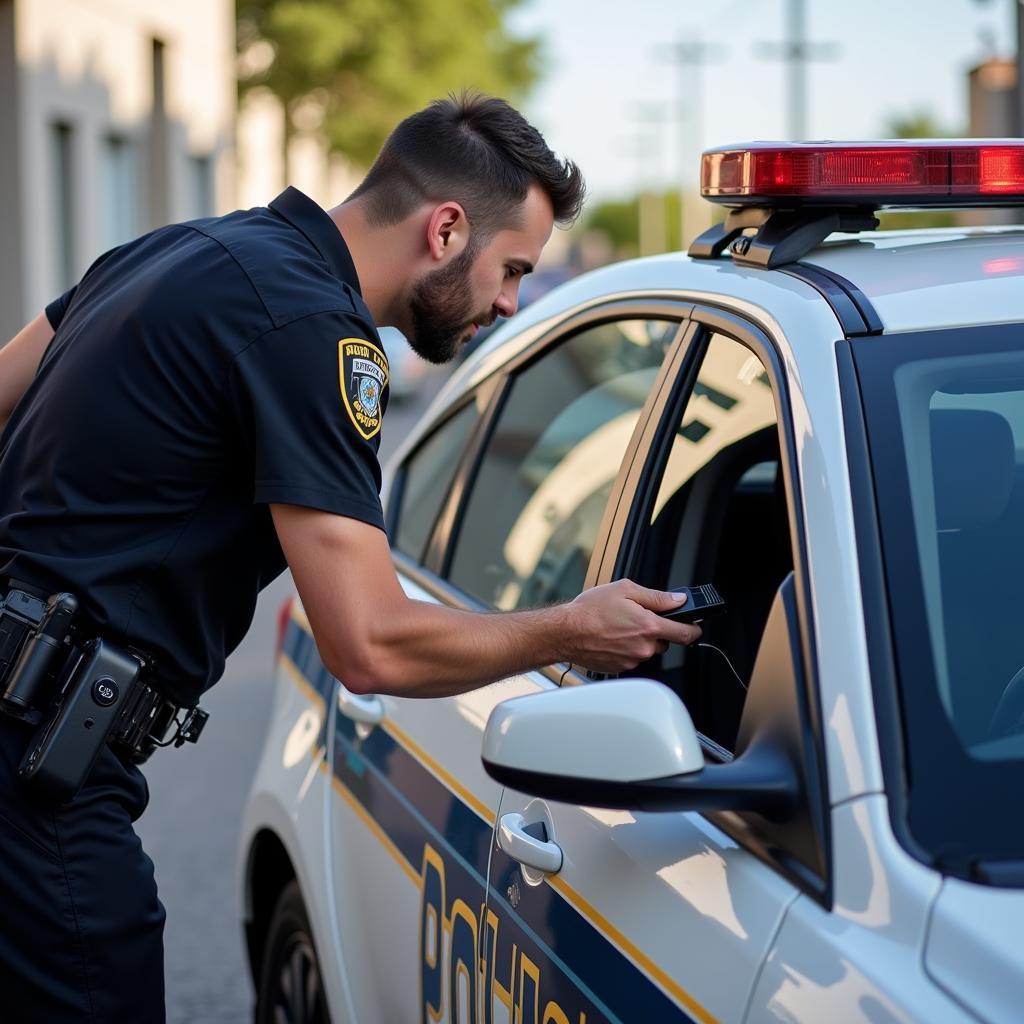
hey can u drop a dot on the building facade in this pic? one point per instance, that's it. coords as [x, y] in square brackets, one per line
[116, 116]
[268, 158]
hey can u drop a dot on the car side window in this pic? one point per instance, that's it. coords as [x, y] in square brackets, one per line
[720, 517]
[427, 475]
[536, 505]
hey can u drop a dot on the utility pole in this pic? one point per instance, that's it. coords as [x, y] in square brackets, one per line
[690, 56]
[650, 215]
[797, 52]
[650, 186]
[1018, 106]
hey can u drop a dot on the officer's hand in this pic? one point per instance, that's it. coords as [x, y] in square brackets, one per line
[616, 626]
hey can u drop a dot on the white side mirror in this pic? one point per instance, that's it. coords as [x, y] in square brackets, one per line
[627, 744]
[621, 731]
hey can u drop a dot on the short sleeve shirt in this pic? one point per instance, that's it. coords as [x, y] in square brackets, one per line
[197, 375]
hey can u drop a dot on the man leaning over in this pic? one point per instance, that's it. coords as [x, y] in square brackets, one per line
[188, 419]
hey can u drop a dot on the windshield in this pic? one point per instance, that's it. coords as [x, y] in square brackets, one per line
[945, 419]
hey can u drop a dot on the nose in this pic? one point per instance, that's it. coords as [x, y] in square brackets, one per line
[507, 301]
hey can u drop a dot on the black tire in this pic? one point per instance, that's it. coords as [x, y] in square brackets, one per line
[291, 989]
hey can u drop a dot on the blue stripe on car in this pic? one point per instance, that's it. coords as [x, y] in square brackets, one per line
[578, 966]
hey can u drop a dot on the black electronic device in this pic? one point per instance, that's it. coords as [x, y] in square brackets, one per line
[64, 749]
[20, 613]
[34, 637]
[701, 603]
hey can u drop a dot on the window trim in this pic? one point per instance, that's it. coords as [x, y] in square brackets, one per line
[492, 393]
[622, 542]
[441, 550]
[755, 338]
[875, 601]
[652, 442]
[617, 309]
[396, 497]
[483, 397]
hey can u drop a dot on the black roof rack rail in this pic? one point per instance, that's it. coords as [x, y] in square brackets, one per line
[851, 306]
[782, 236]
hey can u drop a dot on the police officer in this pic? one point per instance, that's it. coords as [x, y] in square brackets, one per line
[205, 406]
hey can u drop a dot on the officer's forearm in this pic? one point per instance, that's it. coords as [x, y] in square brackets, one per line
[427, 650]
[375, 639]
[415, 649]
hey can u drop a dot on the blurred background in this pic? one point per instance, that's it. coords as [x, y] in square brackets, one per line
[117, 116]
[120, 115]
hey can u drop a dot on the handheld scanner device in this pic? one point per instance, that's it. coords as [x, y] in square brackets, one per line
[701, 603]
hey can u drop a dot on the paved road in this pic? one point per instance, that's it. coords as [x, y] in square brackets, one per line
[191, 827]
[196, 799]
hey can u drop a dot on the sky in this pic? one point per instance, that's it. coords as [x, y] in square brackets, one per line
[610, 95]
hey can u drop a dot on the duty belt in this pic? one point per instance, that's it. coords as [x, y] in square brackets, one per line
[81, 690]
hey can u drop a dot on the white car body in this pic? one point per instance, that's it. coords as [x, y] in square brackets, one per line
[382, 810]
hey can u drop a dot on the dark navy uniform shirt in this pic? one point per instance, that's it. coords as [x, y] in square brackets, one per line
[196, 375]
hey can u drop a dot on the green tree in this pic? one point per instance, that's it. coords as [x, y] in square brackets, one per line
[915, 124]
[365, 64]
[618, 219]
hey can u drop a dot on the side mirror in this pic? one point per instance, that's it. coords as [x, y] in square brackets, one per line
[611, 733]
[628, 744]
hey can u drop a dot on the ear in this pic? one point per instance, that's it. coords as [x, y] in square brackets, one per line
[447, 231]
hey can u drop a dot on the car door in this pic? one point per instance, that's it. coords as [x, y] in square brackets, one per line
[667, 916]
[500, 507]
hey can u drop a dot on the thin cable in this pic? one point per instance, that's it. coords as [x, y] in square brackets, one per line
[727, 661]
[561, 678]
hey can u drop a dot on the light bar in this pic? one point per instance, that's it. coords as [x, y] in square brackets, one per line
[934, 172]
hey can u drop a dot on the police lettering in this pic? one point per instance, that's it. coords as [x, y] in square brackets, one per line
[465, 977]
[355, 350]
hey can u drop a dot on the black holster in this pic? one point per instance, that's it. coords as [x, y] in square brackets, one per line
[81, 692]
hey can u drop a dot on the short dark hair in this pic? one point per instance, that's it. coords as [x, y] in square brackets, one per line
[479, 151]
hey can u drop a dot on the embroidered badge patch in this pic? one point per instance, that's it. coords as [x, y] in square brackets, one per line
[364, 374]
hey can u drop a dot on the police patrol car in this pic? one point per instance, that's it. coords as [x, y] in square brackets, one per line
[812, 816]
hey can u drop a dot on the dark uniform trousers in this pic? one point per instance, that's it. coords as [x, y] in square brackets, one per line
[81, 928]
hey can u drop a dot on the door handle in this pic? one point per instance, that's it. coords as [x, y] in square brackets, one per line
[368, 710]
[534, 850]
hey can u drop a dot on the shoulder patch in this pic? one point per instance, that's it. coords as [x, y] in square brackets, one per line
[363, 376]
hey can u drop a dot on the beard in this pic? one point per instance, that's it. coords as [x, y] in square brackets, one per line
[441, 306]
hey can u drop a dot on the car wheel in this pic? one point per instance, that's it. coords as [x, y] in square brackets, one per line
[291, 991]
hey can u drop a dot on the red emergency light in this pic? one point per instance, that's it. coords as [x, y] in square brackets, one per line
[933, 172]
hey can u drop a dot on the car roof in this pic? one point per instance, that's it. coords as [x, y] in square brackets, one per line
[918, 280]
[915, 279]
